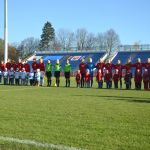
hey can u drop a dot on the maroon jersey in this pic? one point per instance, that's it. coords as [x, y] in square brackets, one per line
[27, 67]
[8, 65]
[14, 66]
[35, 66]
[107, 76]
[82, 68]
[99, 76]
[100, 66]
[138, 66]
[78, 77]
[42, 66]
[20, 66]
[147, 66]
[119, 67]
[108, 67]
[2, 67]
[87, 77]
[127, 67]
[116, 77]
[138, 77]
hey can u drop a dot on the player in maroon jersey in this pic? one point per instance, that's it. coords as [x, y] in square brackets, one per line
[147, 66]
[2, 66]
[20, 64]
[35, 66]
[119, 67]
[138, 65]
[128, 67]
[109, 66]
[116, 78]
[138, 79]
[42, 70]
[82, 68]
[100, 65]
[146, 79]
[8, 65]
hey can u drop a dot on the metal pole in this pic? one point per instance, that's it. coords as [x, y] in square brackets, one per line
[5, 32]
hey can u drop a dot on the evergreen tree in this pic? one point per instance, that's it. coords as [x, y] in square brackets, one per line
[47, 36]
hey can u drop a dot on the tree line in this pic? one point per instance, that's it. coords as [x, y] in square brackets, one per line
[66, 40]
[62, 40]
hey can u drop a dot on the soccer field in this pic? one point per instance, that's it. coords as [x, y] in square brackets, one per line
[61, 118]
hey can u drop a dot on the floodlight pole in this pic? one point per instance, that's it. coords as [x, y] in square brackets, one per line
[5, 31]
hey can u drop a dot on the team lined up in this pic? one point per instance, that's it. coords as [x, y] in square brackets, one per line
[109, 72]
[21, 73]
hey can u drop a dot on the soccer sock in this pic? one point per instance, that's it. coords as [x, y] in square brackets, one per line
[68, 82]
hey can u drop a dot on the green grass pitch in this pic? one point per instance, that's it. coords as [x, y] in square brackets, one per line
[92, 119]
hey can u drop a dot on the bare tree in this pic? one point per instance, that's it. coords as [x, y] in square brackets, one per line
[100, 41]
[65, 38]
[56, 45]
[28, 46]
[81, 38]
[90, 41]
[112, 41]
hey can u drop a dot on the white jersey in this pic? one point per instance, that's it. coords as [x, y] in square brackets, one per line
[11, 74]
[1, 73]
[23, 75]
[17, 75]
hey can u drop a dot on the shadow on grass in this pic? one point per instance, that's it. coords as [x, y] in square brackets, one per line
[121, 98]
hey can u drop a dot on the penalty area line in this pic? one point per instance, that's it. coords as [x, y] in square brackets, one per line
[37, 144]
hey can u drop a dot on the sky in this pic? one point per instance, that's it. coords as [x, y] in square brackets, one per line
[129, 18]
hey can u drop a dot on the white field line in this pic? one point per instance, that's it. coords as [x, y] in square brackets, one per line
[38, 144]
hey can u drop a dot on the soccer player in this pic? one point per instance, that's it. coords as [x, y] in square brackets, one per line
[37, 77]
[8, 65]
[99, 78]
[108, 79]
[5, 76]
[42, 71]
[87, 79]
[128, 70]
[146, 79]
[57, 72]
[82, 68]
[27, 69]
[35, 66]
[67, 70]
[11, 76]
[49, 68]
[31, 77]
[147, 66]
[108, 66]
[17, 73]
[20, 64]
[127, 79]
[78, 78]
[116, 78]
[138, 79]
[138, 65]
[90, 66]
[2, 66]
[100, 65]
[23, 76]
[119, 67]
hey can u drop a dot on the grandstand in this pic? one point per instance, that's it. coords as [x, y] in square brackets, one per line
[133, 55]
[74, 57]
